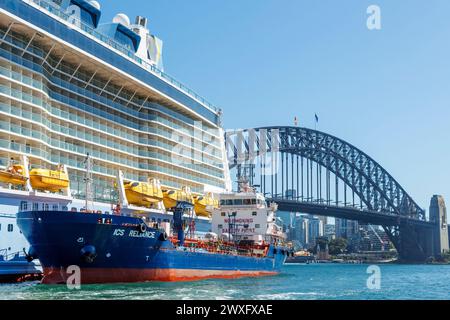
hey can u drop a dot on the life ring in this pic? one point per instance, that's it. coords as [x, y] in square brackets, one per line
[163, 236]
[142, 227]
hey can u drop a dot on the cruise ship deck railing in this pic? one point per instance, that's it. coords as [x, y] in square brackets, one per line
[5, 256]
[19, 44]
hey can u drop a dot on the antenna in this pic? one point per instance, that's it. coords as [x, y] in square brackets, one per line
[89, 201]
[245, 173]
[142, 21]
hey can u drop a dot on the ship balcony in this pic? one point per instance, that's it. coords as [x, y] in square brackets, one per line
[89, 50]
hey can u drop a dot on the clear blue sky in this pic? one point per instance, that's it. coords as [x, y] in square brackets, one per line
[264, 62]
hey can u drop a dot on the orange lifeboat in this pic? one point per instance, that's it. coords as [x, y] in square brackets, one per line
[14, 174]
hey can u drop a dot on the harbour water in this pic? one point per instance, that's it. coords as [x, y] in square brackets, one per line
[296, 282]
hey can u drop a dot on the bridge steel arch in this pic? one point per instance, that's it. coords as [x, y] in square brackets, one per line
[381, 194]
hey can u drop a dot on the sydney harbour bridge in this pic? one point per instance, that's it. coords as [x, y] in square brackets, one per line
[308, 171]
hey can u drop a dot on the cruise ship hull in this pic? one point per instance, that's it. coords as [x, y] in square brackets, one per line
[110, 249]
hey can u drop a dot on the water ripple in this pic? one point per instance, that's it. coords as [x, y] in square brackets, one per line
[297, 282]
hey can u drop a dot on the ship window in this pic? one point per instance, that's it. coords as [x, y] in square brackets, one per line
[220, 226]
[253, 201]
[23, 206]
[65, 208]
[254, 213]
[55, 207]
[45, 206]
[247, 201]
[10, 228]
[237, 202]
[257, 226]
[222, 214]
[35, 206]
[228, 202]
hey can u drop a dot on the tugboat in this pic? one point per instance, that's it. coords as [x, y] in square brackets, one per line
[127, 247]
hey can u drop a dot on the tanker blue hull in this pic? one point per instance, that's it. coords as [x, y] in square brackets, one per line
[110, 248]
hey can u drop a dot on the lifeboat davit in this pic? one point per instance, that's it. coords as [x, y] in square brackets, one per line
[205, 204]
[143, 194]
[172, 197]
[49, 180]
[14, 174]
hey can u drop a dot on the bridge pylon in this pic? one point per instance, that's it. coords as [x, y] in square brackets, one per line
[438, 215]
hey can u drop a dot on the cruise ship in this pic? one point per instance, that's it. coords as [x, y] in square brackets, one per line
[71, 85]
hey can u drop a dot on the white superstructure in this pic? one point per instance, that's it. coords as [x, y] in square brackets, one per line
[245, 215]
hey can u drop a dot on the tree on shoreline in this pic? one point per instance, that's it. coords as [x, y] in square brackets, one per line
[337, 246]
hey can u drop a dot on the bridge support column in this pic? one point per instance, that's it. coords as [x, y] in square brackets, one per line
[438, 215]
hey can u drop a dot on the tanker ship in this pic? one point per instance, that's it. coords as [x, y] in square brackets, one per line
[126, 247]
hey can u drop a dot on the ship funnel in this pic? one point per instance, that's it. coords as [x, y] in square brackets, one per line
[141, 21]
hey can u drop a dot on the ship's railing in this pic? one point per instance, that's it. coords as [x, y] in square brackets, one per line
[5, 256]
[56, 10]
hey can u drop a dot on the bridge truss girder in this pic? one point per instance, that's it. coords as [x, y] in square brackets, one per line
[372, 183]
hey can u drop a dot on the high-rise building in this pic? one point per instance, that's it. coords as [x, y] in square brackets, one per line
[302, 230]
[315, 227]
[346, 228]
[330, 231]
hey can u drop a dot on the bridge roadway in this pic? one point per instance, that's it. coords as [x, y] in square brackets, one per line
[385, 218]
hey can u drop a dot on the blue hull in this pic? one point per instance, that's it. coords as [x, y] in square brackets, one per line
[110, 248]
